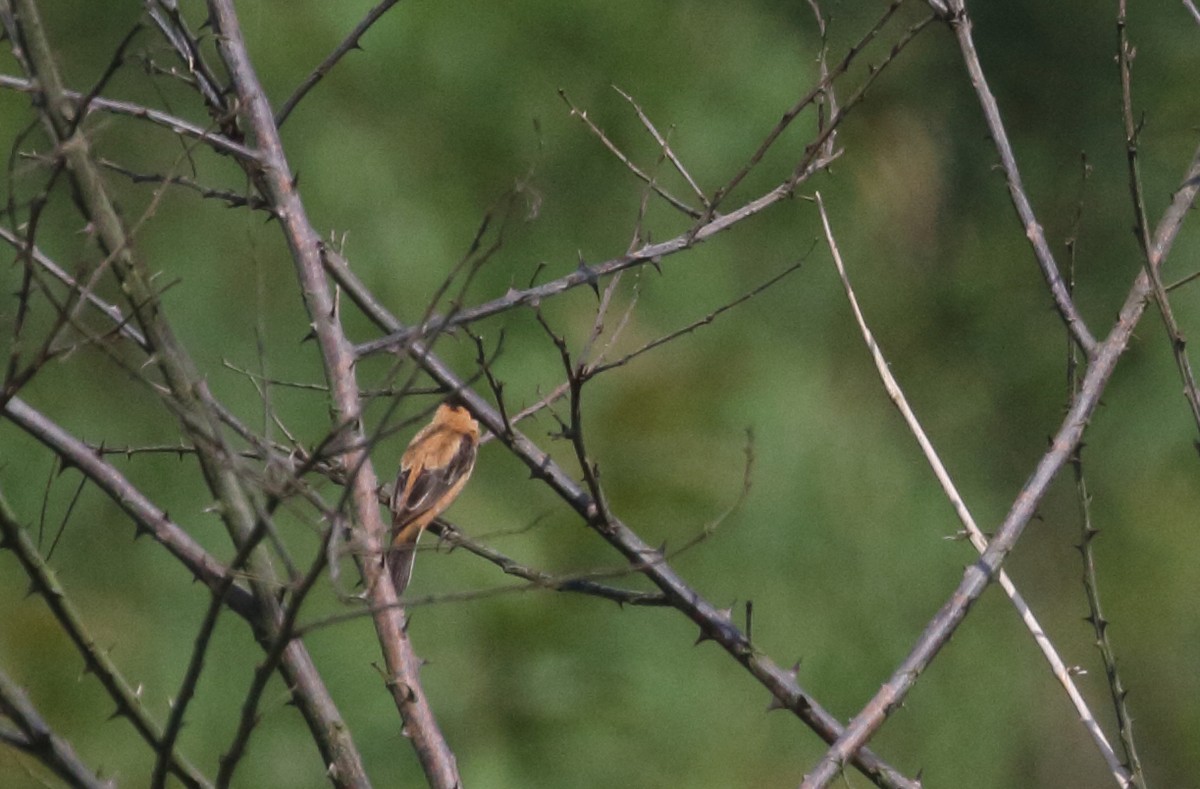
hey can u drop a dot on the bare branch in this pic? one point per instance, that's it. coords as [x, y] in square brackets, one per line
[624, 159]
[666, 148]
[350, 43]
[35, 736]
[187, 392]
[277, 185]
[691, 327]
[98, 663]
[1062, 448]
[1057, 666]
[215, 141]
[1178, 341]
[715, 623]
[1016, 188]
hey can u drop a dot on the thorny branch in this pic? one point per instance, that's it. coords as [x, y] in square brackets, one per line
[98, 663]
[276, 184]
[1016, 187]
[1125, 55]
[715, 623]
[271, 603]
[183, 389]
[1062, 448]
[973, 532]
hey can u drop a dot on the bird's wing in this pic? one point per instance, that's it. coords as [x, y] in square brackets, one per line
[422, 488]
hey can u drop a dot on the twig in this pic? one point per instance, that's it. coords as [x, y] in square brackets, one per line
[706, 320]
[555, 394]
[1099, 624]
[675, 202]
[665, 146]
[230, 198]
[35, 736]
[1088, 532]
[543, 580]
[1191, 7]
[808, 98]
[170, 22]
[1178, 341]
[351, 42]
[1016, 188]
[829, 106]
[217, 142]
[1183, 281]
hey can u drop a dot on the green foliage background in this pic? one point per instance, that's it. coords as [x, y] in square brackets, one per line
[841, 542]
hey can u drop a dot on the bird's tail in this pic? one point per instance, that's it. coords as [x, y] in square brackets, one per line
[400, 559]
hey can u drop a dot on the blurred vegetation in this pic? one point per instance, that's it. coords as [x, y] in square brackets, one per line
[841, 543]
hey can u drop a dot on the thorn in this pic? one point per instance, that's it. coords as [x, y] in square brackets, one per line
[702, 638]
[775, 704]
[589, 275]
[408, 694]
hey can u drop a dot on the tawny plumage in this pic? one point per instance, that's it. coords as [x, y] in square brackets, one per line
[433, 471]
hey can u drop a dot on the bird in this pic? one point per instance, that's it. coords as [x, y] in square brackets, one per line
[433, 470]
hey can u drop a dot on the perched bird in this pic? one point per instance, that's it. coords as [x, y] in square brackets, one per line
[433, 470]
